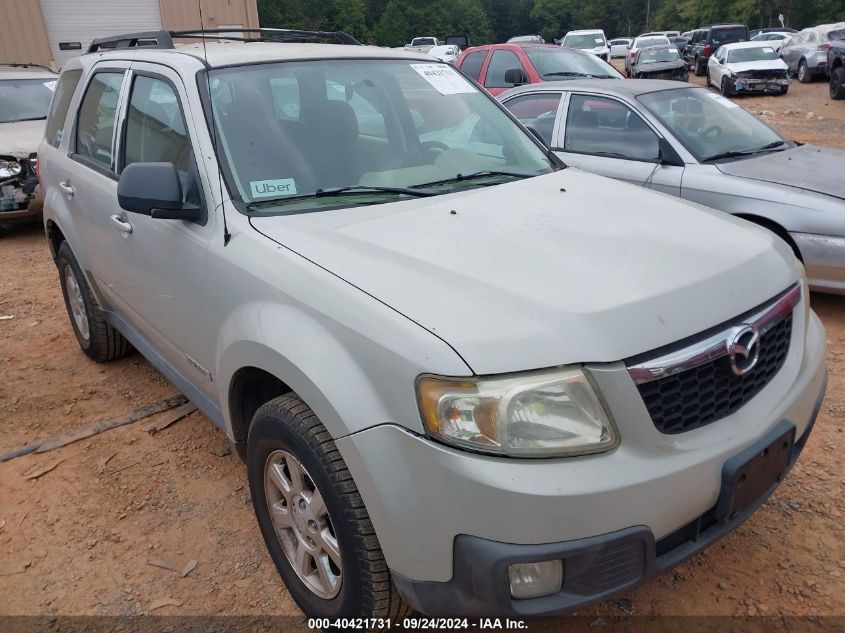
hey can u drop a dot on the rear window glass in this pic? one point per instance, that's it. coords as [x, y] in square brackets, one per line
[25, 99]
[726, 35]
[61, 102]
[836, 35]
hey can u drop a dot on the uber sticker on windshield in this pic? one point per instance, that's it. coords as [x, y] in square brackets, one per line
[443, 78]
[272, 188]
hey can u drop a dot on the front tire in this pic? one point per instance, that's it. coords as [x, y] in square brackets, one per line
[312, 517]
[837, 83]
[725, 88]
[98, 339]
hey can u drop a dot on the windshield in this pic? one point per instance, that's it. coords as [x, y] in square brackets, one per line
[553, 63]
[651, 41]
[584, 40]
[291, 130]
[25, 99]
[658, 55]
[755, 54]
[709, 125]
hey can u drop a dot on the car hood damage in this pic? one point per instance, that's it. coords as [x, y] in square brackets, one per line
[21, 138]
[764, 67]
[548, 270]
[806, 167]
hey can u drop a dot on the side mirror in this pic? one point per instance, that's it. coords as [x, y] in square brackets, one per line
[666, 154]
[154, 189]
[515, 76]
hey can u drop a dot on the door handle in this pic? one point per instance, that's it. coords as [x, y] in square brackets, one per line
[122, 225]
[65, 186]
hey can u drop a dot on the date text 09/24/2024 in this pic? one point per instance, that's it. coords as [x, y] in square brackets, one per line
[420, 623]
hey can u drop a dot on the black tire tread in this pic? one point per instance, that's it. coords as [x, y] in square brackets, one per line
[106, 343]
[383, 600]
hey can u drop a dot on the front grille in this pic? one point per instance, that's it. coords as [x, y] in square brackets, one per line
[702, 395]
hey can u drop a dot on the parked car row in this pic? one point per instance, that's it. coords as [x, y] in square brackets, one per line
[636, 378]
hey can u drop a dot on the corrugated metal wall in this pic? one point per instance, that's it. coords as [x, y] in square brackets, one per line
[23, 36]
[184, 14]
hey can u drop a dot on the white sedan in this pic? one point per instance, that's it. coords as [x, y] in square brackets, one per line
[445, 53]
[747, 67]
[619, 46]
[775, 39]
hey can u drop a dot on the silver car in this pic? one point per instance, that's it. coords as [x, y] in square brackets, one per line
[806, 51]
[692, 143]
[464, 378]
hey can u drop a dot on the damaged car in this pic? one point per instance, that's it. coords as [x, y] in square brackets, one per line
[25, 94]
[747, 67]
[660, 62]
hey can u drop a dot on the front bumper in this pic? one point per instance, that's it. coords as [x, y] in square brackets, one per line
[449, 521]
[595, 568]
[824, 259]
[747, 84]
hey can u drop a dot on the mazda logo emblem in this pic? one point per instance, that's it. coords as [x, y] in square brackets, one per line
[743, 349]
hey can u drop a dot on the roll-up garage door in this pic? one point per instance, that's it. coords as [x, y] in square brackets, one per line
[79, 21]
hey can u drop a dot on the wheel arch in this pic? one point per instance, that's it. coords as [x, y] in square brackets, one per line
[775, 228]
[55, 237]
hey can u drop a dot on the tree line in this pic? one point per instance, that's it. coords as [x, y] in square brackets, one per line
[395, 22]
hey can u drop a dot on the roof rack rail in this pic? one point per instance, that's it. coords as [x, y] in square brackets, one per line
[164, 39]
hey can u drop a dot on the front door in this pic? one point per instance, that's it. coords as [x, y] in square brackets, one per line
[604, 136]
[162, 284]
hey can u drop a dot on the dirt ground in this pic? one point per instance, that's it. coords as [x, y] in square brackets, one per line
[79, 538]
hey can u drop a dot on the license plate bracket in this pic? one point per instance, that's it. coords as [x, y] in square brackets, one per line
[749, 475]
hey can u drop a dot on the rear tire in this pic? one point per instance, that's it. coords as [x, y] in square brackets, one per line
[343, 559]
[98, 339]
[837, 83]
[699, 69]
[707, 80]
[804, 74]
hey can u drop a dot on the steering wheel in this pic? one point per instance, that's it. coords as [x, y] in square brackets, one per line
[712, 132]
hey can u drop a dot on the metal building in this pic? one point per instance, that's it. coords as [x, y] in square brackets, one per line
[50, 32]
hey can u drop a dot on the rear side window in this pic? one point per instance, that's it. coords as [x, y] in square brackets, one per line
[472, 64]
[838, 34]
[58, 108]
[96, 120]
[501, 62]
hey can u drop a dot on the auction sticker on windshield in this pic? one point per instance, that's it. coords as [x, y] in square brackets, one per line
[443, 78]
[270, 188]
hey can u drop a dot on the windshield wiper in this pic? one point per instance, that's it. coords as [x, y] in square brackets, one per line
[352, 189]
[749, 152]
[477, 174]
[570, 73]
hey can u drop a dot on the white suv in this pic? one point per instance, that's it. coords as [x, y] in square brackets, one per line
[464, 378]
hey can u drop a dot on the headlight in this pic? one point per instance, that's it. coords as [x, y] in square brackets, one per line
[9, 168]
[544, 414]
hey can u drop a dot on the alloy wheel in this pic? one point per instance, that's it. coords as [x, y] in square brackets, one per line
[302, 524]
[77, 305]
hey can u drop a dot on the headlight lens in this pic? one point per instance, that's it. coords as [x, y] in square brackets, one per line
[9, 168]
[545, 414]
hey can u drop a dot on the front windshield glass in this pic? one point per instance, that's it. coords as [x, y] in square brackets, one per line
[25, 99]
[553, 63]
[645, 42]
[708, 124]
[294, 131]
[755, 54]
[658, 56]
[582, 40]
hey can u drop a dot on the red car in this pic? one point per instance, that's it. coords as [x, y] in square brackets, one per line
[499, 67]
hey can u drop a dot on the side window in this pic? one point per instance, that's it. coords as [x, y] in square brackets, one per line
[604, 127]
[155, 128]
[59, 107]
[472, 64]
[95, 123]
[537, 111]
[501, 62]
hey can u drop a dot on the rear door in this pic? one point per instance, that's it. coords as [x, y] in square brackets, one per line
[605, 136]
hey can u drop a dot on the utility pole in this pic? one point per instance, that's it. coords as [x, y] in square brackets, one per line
[647, 11]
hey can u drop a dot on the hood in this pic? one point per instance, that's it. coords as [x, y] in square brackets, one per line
[765, 64]
[525, 275]
[22, 138]
[806, 167]
[658, 67]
